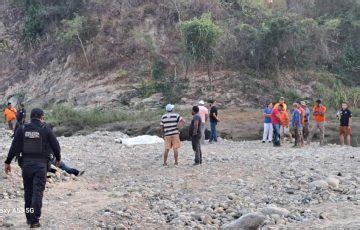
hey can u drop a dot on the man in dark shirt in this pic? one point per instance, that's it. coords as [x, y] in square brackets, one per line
[20, 117]
[214, 119]
[32, 145]
[344, 115]
[195, 134]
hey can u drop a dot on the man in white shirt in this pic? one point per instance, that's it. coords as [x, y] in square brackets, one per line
[204, 114]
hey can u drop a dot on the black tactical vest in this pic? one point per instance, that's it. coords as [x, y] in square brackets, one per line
[34, 142]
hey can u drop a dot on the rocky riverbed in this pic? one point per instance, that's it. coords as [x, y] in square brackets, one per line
[239, 184]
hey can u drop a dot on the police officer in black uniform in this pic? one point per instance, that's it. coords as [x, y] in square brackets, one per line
[32, 145]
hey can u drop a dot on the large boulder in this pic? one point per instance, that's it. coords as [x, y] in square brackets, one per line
[333, 182]
[270, 210]
[319, 184]
[251, 221]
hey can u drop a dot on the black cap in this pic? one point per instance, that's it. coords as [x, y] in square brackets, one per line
[9, 103]
[318, 101]
[36, 113]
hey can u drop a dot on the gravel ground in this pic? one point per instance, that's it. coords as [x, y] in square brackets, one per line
[126, 187]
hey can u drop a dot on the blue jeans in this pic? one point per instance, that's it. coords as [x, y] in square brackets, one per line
[276, 136]
[213, 134]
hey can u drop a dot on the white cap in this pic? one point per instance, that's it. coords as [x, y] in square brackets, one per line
[169, 107]
[201, 102]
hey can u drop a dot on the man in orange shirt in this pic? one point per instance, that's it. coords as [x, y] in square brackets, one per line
[319, 111]
[10, 116]
[285, 129]
[281, 102]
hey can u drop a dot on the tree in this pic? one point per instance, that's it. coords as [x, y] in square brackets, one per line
[41, 14]
[74, 29]
[200, 36]
[34, 24]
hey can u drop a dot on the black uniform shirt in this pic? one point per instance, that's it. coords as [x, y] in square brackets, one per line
[49, 138]
[345, 115]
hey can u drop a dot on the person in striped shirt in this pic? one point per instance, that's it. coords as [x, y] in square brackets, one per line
[170, 123]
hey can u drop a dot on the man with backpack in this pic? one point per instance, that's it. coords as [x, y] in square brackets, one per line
[32, 145]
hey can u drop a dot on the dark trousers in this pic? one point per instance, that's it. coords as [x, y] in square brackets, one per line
[11, 125]
[213, 134]
[34, 179]
[195, 141]
[298, 131]
[18, 125]
[276, 135]
[64, 167]
[306, 130]
[69, 170]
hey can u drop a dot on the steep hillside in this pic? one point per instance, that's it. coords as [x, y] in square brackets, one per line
[98, 53]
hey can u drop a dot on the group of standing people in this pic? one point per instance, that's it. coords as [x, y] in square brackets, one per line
[171, 122]
[278, 124]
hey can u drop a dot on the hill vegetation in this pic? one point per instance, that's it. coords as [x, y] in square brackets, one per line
[160, 45]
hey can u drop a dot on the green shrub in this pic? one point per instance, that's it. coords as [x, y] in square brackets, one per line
[162, 81]
[158, 70]
[200, 37]
[76, 31]
[34, 24]
[147, 88]
[39, 14]
[290, 95]
[121, 73]
[344, 94]
[172, 88]
[4, 44]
